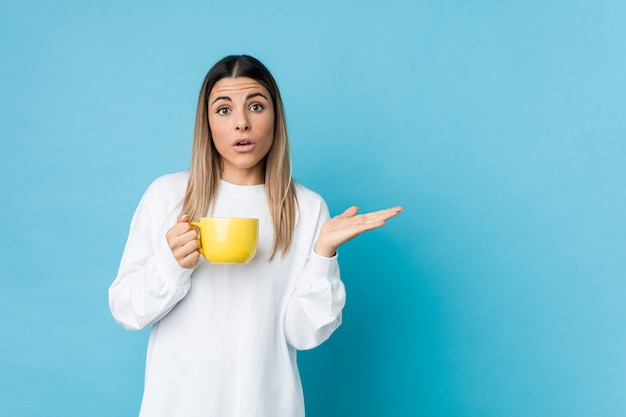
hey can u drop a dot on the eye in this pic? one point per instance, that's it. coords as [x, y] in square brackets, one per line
[257, 107]
[223, 111]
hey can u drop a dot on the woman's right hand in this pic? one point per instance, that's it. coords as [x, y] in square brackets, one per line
[183, 241]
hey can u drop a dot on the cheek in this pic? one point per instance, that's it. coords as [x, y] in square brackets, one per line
[270, 131]
[217, 130]
[268, 126]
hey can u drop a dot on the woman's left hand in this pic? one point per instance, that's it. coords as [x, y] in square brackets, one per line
[349, 225]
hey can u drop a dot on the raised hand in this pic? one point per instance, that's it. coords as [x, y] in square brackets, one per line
[349, 225]
[183, 241]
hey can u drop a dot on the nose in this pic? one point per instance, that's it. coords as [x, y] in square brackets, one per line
[242, 124]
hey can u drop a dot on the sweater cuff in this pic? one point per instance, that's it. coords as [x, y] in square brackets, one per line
[169, 267]
[322, 268]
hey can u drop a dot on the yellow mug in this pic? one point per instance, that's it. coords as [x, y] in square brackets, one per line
[228, 240]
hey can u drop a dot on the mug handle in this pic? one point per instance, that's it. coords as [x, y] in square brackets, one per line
[197, 225]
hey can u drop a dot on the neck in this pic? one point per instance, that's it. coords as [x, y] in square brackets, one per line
[243, 177]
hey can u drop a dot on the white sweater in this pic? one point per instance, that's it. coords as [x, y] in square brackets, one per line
[224, 337]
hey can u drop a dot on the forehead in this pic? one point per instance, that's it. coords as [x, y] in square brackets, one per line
[230, 87]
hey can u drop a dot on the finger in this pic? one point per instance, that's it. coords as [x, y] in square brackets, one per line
[190, 247]
[370, 224]
[179, 239]
[391, 212]
[177, 231]
[190, 260]
[187, 237]
[187, 249]
[385, 214]
[376, 219]
[183, 218]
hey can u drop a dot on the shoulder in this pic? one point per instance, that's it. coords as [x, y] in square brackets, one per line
[308, 197]
[171, 181]
[167, 189]
[311, 205]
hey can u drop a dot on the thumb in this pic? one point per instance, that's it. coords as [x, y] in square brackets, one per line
[183, 218]
[349, 212]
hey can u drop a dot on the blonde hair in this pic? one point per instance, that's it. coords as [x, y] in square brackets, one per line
[206, 163]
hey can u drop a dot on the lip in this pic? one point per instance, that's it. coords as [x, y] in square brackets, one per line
[243, 145]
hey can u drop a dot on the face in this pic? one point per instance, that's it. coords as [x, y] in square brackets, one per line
[241, 119]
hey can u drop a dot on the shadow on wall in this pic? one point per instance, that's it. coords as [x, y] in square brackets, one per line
[385, 358]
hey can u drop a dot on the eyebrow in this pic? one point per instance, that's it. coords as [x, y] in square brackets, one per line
[248, 97]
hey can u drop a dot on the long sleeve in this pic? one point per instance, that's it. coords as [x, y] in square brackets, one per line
[314, 309]
[149, 282]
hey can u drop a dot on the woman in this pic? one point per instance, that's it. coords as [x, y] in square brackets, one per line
[224, 337]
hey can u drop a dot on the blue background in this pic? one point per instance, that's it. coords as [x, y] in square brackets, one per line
[499, 126]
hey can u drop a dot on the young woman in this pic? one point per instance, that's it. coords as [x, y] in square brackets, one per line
[224, 337]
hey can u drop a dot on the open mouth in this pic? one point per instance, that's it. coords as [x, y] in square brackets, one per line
[243, 145]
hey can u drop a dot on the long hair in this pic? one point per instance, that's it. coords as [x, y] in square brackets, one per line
[206, 163]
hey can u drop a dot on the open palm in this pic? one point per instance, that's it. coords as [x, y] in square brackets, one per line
[349, 225]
